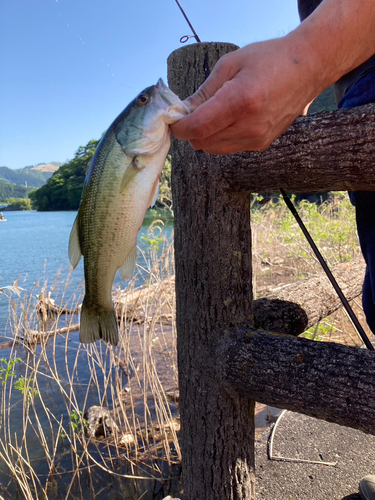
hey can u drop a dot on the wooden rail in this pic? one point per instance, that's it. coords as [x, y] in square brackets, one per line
[224, 362]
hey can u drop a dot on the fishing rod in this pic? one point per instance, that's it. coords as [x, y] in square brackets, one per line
[328, 272]
[185, 38]
[315, 249]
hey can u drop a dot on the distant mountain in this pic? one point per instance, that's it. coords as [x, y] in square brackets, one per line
[30, 176]
[47, 167]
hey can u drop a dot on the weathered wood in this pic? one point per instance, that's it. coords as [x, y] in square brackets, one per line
[298, 306]
[213, 290]
[324, 380]
[220, 373]
[330, 151]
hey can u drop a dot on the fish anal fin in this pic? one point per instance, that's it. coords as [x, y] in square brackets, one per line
[127, 269]
[133, 168]
[75, 253]
[154, 192]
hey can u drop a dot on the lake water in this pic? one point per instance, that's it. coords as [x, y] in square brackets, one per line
[34, 249]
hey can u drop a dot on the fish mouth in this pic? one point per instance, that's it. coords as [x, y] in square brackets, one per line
[175, 109]
[163, 92]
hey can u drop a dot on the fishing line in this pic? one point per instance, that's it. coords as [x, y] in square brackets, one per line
[328, 272]
[185, 38]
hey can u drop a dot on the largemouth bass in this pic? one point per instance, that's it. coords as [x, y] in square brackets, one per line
[121, 184]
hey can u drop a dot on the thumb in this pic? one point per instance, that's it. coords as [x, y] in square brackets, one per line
[219, 75]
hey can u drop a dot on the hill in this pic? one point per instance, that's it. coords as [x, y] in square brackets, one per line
[28, 176]
[8, 190]
[47, 167]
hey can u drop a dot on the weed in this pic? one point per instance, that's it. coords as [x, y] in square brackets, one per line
[23, 384]
[77, 423]
[7, 368]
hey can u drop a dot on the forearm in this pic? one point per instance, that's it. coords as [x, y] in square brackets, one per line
[255, 93]
[336, 38]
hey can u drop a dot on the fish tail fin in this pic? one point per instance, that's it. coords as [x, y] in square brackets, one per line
[98, 324]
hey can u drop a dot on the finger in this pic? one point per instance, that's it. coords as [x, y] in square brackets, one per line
[223, 71]
[204, 120]
[230, 141]
[214, 115]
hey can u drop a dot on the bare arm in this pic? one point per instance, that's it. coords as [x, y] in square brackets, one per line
[255, 93]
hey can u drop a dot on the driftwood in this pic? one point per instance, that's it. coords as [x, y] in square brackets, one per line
[144, 302]
[137, 306]
[292, 309]
[46, 307]
[37, 336]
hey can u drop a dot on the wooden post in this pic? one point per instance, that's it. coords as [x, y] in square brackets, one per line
[213, 292]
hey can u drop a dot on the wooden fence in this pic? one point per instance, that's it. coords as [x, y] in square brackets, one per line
[225, 363]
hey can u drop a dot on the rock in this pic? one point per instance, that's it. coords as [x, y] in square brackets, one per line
[126, 439]
[100, 422]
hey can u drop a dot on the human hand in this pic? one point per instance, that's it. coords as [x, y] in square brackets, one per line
[251, 97]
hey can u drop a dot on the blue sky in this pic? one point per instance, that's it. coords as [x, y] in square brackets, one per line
[69, 67]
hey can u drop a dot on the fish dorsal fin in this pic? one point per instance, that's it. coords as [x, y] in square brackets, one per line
[75, 253]
[154, 193]
[127, 269]
[131, 171]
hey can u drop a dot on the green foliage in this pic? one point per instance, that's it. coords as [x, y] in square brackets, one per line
[331, 225]
[18, 204]
[63, 190]
[152, 241]
[77, 423]
[165, 192]
[321, 332]
[324, 102]
[8, 190]
[7, 368]
[23, 384]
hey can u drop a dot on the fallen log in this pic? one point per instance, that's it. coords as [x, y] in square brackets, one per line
[291, 309]
[37, 336]
[296, 307]
[145, 302]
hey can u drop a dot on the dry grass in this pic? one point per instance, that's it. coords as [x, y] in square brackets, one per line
[48, 386]
[282, 255]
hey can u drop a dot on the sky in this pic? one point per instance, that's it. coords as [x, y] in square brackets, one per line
[69, 67]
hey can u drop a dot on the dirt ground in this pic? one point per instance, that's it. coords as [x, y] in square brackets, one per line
[343, 457]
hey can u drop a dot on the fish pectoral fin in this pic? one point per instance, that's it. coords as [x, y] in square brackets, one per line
[75, 253]
[127, 269]
[154, 193]
[131, 171]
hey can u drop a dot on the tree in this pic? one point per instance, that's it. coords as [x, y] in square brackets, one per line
[19, 204]
[63, 190]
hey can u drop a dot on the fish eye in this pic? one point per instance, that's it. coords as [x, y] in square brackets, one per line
[143, 100]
